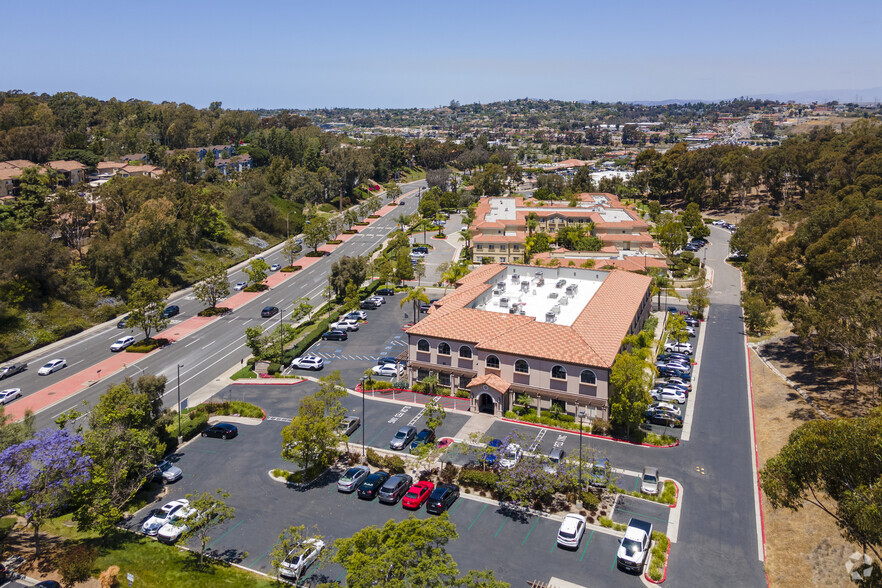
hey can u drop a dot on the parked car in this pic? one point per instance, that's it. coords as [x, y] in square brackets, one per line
[634, 547]
[666, 372]
[571, 530]
[10, 394]
[386, 292]
[222, 430]
[345, 325]
[300, 558]
[667, 407]
[492, 454]
[388, 371]
[668, 395]
[660, 417]
[308, 362]
[333, 335]
[165, 472]
[123, 322]
[357, 315]
[240, 286]
[511, 456]
[403, 437]
[51, 367]
[424, 437]
[442, 498]
[417, 495]
[692, 321]
[269, 311]
[392, 360]
[672, 365]
[122, 343]
[649, 480]
[178, 524]
[678, 347]
[679, 382]
[555, 458]
[368, 489]
[12, 368]
[369, 304]
[348, 425]
[353, 477]
[674, 355]
[599, 473]
[275, 267]
[379, 299]
[394, 488]
[160, 516]
[171, 311]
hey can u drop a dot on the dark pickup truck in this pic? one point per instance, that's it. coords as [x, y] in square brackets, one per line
[12, 369]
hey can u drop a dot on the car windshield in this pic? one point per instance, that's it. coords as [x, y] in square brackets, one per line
[648, 478]
[400, 434]
[351, 474]
[165, 466]
[631, 546]
[413, 493]
[567, 534]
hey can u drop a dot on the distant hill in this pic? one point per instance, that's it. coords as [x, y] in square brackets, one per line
[862, 96]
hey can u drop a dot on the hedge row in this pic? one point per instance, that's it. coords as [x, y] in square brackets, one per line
[393, 464]
[483, 480]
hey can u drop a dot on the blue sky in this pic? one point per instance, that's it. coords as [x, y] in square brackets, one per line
[401, 54]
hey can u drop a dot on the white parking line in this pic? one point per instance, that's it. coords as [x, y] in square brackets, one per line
[537, 440]
[693, 395]
[417, 417]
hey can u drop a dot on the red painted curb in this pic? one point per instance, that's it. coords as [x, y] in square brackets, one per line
[665, 573]
[264, 414]
[553, 428]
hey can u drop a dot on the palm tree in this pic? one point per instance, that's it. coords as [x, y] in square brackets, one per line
[467, 237]
[532, 223]
[415, 296]
[454, 273]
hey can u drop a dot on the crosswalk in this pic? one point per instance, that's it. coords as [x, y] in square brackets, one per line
[349, 357]
[281, 419]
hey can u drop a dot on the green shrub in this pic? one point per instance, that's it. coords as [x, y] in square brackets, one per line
[75, 565]
[192, 424]
[349, 232]
[394, 464]
[590, 501]
[274, 368]
[600, 427]
[463, 393]
[609, 524]
[418, 387]
[659, 555]
[442, 390]
[147, 345]
[216, 311]
[316, 254]
[291, 268]
[448, 473]
[483, 480]
[650, 324]
[6, 526]
[510, 414]
[375, 459]
[668, 495]
[256, 288]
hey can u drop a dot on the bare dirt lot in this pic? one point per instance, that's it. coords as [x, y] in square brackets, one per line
[802, 548]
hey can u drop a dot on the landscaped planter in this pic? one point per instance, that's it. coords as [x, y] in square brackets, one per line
[361, 224]
[316, 254]
[291, 268]
[256, 288]
[216, 311]
[333, 242]
[147, 346]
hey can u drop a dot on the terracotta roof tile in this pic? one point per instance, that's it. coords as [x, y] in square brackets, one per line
[544, 340]
[65, 165]
[491, 380]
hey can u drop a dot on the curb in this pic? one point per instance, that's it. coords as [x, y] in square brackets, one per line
[604, 437]
[665, 572]
[263, 382]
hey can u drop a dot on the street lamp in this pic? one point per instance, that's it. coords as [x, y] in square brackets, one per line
[287, 226]
[363, 419]
[581, 417]
[180, 365]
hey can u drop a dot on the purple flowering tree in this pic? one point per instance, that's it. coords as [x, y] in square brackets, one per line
[37, 476]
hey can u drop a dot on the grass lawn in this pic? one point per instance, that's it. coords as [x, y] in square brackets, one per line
[155, 564]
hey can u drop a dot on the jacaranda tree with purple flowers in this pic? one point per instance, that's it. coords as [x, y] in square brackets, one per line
[37, 476]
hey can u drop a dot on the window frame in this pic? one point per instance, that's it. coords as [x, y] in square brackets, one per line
[562, 368]
[469, 356]
[582, 377]
[419, 346]
[446, 344]
[524, 362]
[487, 362]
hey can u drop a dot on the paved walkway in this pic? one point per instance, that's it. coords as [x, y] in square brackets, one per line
[478, 424]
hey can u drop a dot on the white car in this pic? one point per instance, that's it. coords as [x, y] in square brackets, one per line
[666, 406]
[308, 362]
[160, 516]
[379, 299]
[571, 530]
[417, 254]
[122, 343]
[52, 367]
[511, 456]
[679, 382]
[345, 325]
[240, 286]
[668, 395]
[300, 558]
[678, 347]
[691, 331]
[275, 267]
[388, 370]
[176, 525]
[358, 315]
[718, 223]
[7, 396]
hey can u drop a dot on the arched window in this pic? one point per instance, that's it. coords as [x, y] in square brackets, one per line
[465, 352]
[492, 362]
[423, 345]
[522, 367]
[588, 377]
[558, 373]
[443, 348]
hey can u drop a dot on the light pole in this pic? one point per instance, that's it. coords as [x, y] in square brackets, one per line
[180, 365]
[363, 419]
[581, 416]
[287, 226]
[281, 334]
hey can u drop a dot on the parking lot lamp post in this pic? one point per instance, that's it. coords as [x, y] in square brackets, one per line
[581, 417]
[179, 401]
[287, 225]
[363, 419]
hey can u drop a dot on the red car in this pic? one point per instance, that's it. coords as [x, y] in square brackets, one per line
[417, 495]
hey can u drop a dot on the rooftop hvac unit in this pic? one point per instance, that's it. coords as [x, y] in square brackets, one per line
[513, 310]
[497, 292]
[552, 295]
[572, 289]
[564, 301]
[550, 317]
[515, 278]
[501, 285]
[556, 309]
[560, 284]
[522, 310]
[539, 274]
[540, 281]
[503, 302]
[525, 286]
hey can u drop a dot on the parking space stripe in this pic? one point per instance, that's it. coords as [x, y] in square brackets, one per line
[645, 516]
[535, 522]
[615, 559]
[453, 508]
[371, 442]
[500, 527]
[476, 518]
[225, 534]
[340, 577]
[584, 549]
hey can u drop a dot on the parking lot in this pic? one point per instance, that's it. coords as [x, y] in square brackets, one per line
[516, 545]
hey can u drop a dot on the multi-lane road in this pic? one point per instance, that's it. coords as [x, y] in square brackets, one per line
[210, 350]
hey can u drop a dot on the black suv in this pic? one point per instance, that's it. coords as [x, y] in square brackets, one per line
[441, 498]
[334, 336]
[369, 305]
[171, 311]
[385, 292]
[269, 311]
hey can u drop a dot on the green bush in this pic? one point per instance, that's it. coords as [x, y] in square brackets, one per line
[316, 254]
[147, 345]
[245, 409]
[463, 393]
[274, 368]
[256, 288]
[192, 424]
[600, 427]
[483, 480]
[333, 242]
[590, 501]
[375, 459]
[510, 414]
[448, 473]
[659, 555]
[291, 268]
[418, 387]
[394, 464]
[216, 311]
[75, 565]
[650, 324]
